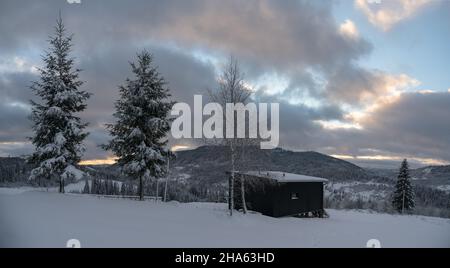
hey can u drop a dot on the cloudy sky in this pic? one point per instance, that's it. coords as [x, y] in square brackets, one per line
[365, 80]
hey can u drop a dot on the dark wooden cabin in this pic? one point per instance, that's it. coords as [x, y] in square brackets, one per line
[280, 194]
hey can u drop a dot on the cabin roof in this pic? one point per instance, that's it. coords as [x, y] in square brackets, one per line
[283, 176]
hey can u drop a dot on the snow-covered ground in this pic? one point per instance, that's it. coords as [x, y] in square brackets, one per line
[49, 219]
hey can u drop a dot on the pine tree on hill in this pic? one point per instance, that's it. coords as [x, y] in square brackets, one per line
[58, 131]
[403, 198]
[142, 122]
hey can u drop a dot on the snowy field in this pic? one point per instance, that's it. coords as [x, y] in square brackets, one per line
[48, 219]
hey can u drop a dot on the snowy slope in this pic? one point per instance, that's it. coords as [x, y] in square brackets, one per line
[47, 219]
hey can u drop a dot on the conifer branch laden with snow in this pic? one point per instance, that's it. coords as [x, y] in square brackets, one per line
[142, 114]
[58, 133]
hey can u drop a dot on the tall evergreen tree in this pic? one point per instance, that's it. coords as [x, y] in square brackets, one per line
[142, 122]
[403, 198]
[58, 132]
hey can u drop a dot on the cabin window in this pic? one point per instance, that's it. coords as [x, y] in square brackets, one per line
[295, 196]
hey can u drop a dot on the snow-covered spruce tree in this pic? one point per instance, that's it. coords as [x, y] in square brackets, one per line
[142, 122]
[58, 132]
[403, 198]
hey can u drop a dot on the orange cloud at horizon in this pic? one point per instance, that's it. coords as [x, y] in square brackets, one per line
[93, 162]
[179, 148]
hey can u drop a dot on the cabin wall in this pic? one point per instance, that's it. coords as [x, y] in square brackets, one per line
[259, 194]
[273, 198]
[309, 197]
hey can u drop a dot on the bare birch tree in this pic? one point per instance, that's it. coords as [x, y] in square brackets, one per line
[232, 89]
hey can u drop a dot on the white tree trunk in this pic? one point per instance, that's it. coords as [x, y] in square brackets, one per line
[244, 205]
[167, 179]
[232, 182]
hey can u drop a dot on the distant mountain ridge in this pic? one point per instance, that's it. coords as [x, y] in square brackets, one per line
[209, 163]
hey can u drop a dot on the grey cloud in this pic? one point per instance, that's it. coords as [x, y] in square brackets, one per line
[348, 82]
[16, 86]
[279, 33]
[14, 125]
[280, 36]
[14, 106]
[417, 125]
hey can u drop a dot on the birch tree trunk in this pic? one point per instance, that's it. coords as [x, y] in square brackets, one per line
[167, 179]
[232, 181]
[244, 205]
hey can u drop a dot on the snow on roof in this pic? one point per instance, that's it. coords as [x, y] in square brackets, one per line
[283, 176]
